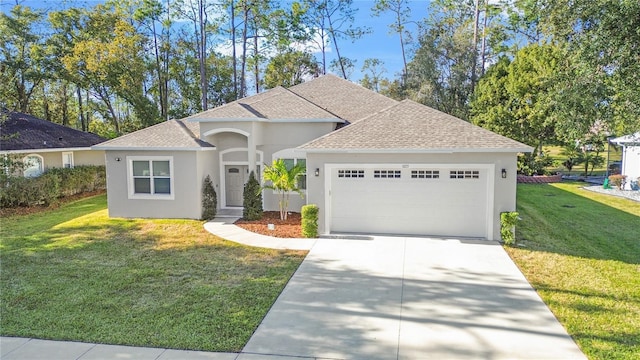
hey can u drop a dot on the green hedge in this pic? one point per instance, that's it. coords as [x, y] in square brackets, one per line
[55, 183]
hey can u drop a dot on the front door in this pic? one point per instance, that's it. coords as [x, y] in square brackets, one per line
[234, 183]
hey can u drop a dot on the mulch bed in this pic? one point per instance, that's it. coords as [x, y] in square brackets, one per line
[24, 210]
[289, 228]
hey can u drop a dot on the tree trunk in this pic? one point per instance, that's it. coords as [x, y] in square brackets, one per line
[243, 66]
[256, 57]
[335, 44]
[233, 49]
[474, 60]
[83, 123]
[203, 56]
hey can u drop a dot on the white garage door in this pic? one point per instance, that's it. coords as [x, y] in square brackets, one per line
[428, 200]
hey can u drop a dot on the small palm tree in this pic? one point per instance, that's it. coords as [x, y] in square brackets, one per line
[283, 181]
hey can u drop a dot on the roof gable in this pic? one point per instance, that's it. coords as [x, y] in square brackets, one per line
[343, 98]
[168, 135]
[409, 126]
[25, 132]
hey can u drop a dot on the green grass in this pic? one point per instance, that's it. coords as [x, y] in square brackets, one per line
[75, 274]
[581, 251]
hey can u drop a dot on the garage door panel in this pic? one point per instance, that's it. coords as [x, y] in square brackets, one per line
[425, 206]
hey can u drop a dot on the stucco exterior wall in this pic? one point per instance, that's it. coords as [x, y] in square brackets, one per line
[53, 159]
[189, 169]
[631, 164]
[504, 189]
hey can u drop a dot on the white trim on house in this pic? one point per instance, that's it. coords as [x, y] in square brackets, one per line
[27, 151]
[231, 130]
[224, 164]
[490, 184]
[130, 183]
[413, 151]
[27, 171]
[67, 159]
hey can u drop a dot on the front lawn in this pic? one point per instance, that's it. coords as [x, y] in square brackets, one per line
[74, 274]
[581, 251]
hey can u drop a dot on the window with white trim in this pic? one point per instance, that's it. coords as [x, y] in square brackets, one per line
[150, 177]
[67, 159]
[464, 174]
[425, 174]
[350, 173]
[33, 165]
[387, 174]
[302, 177]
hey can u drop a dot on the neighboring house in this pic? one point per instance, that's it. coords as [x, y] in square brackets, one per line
[630, 157]
[374, 165]
[41, 144]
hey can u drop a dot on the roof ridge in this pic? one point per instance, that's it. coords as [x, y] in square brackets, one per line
[312, 103]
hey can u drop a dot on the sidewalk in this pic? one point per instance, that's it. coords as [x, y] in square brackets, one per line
[224, 228]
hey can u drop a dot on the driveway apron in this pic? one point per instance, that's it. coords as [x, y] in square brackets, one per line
[410, 298]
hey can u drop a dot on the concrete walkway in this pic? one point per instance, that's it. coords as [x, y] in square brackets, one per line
[374, 298]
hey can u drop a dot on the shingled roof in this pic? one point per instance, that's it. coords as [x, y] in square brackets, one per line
[25, 132]
[409, 126]
[274, 104]
[167, 135]
[343, 98]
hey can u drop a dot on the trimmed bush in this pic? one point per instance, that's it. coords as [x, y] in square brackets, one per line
[508, 222]
[310, 221]
[209, 200]
[252, 201]
[47, 188]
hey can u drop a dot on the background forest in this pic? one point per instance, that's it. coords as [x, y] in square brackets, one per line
[540, 71]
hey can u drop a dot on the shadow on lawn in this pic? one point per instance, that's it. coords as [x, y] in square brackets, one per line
[559, 221]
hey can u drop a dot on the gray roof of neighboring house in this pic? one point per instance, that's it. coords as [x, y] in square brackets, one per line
[343, 98]
[167, 135]
[274, 104]
[25, 132]
[409, 126]
[628, 140]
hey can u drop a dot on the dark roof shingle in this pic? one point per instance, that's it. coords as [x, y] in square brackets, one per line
[25, 132]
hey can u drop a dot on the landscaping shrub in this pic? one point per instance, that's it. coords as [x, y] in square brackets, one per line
[47, 188]
[508, 222]
[209, 200]
[310, 221]
[252, 201]
[617, 180]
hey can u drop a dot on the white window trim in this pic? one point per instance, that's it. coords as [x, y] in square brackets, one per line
[24, 161]
[64, 155]
[130, 182]
[295, 155]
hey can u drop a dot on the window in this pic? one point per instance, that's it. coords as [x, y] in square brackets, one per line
[302, 178]
[33, 165]
[350, 173]
[387, 174]
[151, 177]
[425, 174]
[67, 159]
[464, 174]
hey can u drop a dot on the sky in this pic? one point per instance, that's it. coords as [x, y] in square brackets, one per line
[378, 44]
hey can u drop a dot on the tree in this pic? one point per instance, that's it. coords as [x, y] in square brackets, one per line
[252, 199]
[209, 200]
[290, 68]
[372, 79]
[283, 180]
[513, 99]
[401, 13]
[23, 59]
[333, 20]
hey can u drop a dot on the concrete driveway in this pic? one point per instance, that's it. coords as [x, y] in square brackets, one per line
[409, 298]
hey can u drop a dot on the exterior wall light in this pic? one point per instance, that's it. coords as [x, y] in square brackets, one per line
[317, 173]
[117, 159]
[504, 173]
